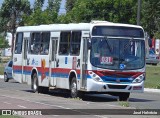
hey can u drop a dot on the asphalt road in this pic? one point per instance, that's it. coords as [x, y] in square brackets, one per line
[14, 95]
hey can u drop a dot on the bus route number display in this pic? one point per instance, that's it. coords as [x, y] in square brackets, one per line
[106, 60]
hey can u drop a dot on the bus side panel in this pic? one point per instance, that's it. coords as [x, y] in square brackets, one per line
[62, 72]
[17, 67]
[41, 63]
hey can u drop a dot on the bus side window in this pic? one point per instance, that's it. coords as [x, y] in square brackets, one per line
[45, 43]
[64, 43]
[35, 43]
[75, 43]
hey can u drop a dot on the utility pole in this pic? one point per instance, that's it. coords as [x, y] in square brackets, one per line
[139, 12]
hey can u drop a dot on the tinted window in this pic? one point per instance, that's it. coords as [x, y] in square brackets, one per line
[70, 43]
[64, 43]
[117, 31]
[39, 43]
[10, 64]
[75, 43]
[18, 44]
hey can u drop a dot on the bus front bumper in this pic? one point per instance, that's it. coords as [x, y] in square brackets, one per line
[114, 87]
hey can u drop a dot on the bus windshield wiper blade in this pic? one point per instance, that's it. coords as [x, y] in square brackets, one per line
[109, 47]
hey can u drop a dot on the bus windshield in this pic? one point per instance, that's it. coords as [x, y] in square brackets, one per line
[117, 53]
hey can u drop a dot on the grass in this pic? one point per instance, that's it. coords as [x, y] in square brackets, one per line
[124, 103]
[152, 77]
[1, 69]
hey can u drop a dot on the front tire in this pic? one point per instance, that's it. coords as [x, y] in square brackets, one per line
[73, 88]
[124, 96]
[6, 79]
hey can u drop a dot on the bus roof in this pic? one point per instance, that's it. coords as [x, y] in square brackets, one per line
[71, 26]
[55, 27]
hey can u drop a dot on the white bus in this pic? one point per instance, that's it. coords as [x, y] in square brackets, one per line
[96, 57]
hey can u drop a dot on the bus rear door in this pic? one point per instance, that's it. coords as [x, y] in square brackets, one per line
[24, 60]
[52, 59]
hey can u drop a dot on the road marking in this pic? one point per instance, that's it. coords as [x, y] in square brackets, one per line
[6, 102]
[21, 106]
[36, 102]
[52, 106]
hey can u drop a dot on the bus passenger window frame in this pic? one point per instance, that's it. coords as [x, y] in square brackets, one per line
[76, 43]
[64, 44]
[18, 43]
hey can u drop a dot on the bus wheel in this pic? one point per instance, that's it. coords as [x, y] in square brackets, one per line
[35, 83]
[124, 96]
[73, 87]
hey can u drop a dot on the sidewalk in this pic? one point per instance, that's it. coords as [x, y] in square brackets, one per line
[145, 89]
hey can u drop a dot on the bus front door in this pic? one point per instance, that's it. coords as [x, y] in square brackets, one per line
[84, 64]
[52, 60]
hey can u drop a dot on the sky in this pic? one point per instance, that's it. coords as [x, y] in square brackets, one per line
[61, 11]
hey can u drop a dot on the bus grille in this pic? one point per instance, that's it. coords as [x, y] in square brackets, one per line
[117, 86]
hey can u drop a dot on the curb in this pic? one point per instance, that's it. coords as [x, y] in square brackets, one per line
[145, 89]
[1, 76]
[151, 90]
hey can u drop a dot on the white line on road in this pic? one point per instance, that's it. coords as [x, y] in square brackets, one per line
[51, 105]
[6, 102]
[21, 106]
[36, 102]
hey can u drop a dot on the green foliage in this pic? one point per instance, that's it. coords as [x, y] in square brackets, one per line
[124, 104]
[11, 14]
[3, 42]
[157, 35]
[151, 16]
[114, 11]
[70, 4]
[40, 16]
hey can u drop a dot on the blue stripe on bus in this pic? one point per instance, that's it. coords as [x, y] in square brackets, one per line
[63, 75]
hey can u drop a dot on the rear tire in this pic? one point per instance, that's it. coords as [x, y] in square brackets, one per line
[6, 79]
[35, 83]
[36, 88]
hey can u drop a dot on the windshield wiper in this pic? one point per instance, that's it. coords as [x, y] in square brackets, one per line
[109, 47]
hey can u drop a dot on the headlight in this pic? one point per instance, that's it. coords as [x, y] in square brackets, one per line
[95, 76]
[139, 79]
[98, 79]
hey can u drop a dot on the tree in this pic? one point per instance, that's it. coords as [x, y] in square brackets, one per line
[11, 14]
[52, 11]
[3, 42]
[109, 10]
[70, 4]
[43, 16]
[151, 16]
